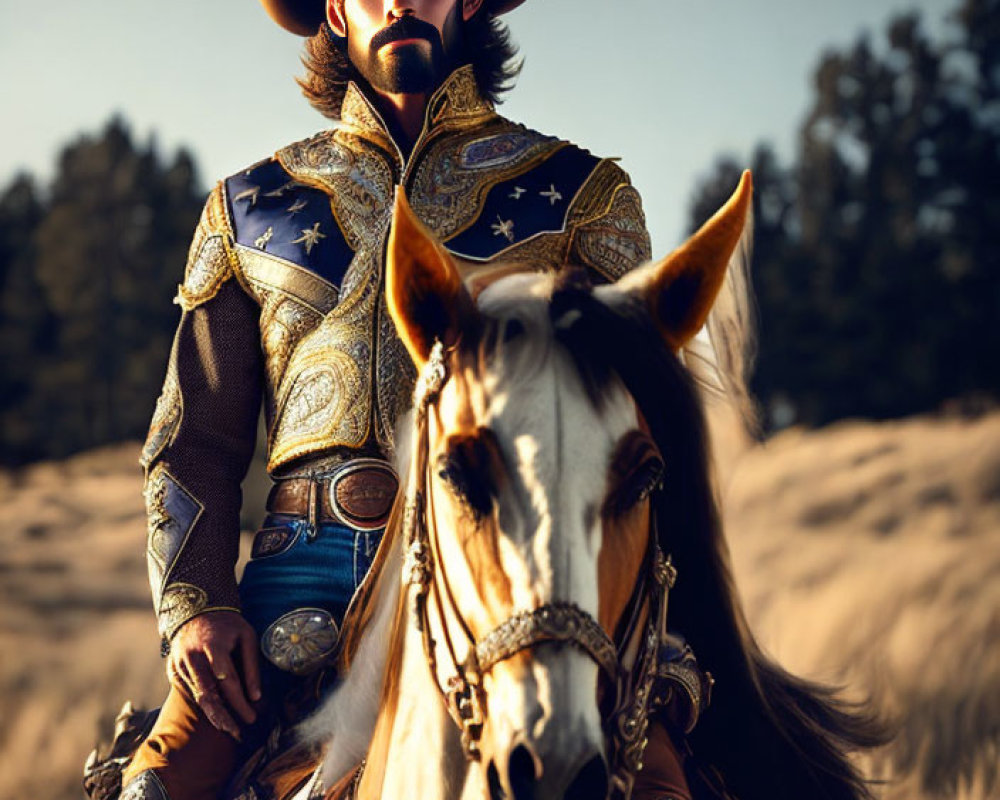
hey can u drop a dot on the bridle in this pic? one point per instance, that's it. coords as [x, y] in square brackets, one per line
[564, 622]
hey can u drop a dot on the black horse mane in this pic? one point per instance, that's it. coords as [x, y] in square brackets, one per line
[767, 733]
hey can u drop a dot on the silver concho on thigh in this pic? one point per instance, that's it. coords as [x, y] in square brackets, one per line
[301, 640]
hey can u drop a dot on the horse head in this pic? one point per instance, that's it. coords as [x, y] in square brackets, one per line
[533, 473]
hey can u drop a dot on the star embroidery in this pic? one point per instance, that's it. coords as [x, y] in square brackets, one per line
[297, 206]
[262, 240]
[250, 194]
[504, 228]
[310, 238]
[282, 189]
[516, 194]
[552, 194]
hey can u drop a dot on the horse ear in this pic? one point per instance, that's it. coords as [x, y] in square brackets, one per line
[679, 290]
[424, 291]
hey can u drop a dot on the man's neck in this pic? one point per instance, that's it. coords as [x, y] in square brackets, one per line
[404, 114]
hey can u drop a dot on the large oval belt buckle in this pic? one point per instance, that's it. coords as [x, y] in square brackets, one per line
[361, 494]
[301, 640]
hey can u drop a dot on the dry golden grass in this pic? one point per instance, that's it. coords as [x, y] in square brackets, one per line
[76, 628]
[867, 554]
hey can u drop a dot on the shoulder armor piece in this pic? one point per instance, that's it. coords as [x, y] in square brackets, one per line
[275, 214]
[609, 227]
[209, 259]
[518, 207]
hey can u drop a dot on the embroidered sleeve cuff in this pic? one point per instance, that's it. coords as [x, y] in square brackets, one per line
[182, 587]
[182, 602]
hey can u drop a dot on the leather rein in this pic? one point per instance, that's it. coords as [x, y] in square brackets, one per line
[463, 695]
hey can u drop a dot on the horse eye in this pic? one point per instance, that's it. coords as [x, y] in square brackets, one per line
[464, 469]
[637, 486]
[512, 330]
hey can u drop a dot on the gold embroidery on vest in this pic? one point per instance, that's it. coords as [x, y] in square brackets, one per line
[448, 193]
[616, 242]
[325, 401]
[395, 377]
[265, 272]
[357, 177]
[209, 260]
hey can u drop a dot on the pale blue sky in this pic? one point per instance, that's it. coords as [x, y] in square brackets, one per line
[665, 85]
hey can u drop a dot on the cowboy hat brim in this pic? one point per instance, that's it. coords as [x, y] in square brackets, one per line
[303, 17]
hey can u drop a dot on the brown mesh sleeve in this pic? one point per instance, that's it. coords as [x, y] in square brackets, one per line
[197, 453]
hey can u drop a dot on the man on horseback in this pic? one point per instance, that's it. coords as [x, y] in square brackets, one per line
[283, 304]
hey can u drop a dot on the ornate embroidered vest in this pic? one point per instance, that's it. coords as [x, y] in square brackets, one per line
[304, 233]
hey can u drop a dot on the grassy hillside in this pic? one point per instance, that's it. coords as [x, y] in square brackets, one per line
[867, 554]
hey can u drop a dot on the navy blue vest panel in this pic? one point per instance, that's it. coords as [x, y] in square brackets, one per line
[536, 201]
[274, 213]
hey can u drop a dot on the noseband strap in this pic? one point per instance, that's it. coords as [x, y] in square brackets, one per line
[552, 622]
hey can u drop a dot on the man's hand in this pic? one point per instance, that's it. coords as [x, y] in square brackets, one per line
[203, 658]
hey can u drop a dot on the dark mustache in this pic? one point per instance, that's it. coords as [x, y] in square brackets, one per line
[407, 27]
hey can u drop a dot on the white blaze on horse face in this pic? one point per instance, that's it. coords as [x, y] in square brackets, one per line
[559, 447]
[556, 447]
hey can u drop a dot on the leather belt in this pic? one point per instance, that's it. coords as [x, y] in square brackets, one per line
[359, 493]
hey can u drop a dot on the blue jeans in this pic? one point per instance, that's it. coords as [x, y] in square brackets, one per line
[184, 750]
[321, 572]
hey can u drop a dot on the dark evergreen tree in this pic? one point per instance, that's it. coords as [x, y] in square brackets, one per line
[105, 254]
[875, 256]
[26, 325]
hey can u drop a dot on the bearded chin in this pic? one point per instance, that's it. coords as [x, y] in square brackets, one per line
[412, 69]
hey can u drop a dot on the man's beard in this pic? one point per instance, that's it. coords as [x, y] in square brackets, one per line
[411, 69]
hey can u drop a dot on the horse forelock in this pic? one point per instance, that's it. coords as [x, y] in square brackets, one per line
[537, 309]
[605, 341]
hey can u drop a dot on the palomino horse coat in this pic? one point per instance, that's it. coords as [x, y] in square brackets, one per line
[556, 442]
